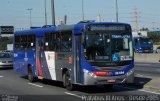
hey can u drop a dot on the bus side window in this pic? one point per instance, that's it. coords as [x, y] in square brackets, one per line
[17, 43]
[66, 41]
[31, 42]
[50, 42]
[46, 42]
[58, 42]
[24, 42]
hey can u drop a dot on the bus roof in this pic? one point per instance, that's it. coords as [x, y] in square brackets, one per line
[37, 31]
[77, 28]
[109, 23]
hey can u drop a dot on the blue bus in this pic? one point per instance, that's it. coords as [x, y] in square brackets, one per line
[143, 44]
[93, 53]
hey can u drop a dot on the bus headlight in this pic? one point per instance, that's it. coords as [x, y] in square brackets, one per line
[130, 72]
[97, 73]
[89, 73]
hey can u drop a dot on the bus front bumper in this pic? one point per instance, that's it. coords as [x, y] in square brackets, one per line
[144, 51]
[98, 80]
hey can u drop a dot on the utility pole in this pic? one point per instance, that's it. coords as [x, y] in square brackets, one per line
[82, 10]
[53, 12]
[65, 19]
[136, 19]
[30, 14]
[45, 13]
[117, 19]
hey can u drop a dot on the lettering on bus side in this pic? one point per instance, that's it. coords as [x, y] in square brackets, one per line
[26, 57]
[15, 55]
[119, 73]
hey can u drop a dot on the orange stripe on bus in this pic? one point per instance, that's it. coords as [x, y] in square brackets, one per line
[39, 67]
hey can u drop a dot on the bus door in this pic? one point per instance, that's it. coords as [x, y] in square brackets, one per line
[77, 60]
[41, 64]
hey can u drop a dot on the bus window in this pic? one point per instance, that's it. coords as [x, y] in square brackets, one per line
[64, 42]
[50, 42]
[25, 42]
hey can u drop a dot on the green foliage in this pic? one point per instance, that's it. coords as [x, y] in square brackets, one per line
[144, 29]
[4, 41]
[155, 37]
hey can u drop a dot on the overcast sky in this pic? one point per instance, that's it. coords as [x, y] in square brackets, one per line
[14, 12]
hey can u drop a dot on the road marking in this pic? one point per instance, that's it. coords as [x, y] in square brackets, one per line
[35, 85]
[138, 64]
[138, 90]
[1, 76]
[73, 94]
[149, 91]
[140, 75]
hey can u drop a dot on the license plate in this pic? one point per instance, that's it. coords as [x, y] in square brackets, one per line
[111, 81]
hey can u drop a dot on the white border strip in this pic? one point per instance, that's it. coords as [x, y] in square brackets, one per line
[35, 85]
[1, 76]
[140, 64]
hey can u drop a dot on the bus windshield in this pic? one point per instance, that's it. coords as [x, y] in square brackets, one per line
[145, 40]
[108, 47]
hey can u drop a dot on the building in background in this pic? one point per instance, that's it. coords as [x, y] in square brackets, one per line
[139, 33]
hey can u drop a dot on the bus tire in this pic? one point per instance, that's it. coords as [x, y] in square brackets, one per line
[67, 81]
[64, 80]
[30, 75]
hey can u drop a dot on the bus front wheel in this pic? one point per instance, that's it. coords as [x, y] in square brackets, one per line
[67, 81]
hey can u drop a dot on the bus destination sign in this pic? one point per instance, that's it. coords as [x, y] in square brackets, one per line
[107, 27]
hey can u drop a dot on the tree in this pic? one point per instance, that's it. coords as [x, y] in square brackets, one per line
[144, 29]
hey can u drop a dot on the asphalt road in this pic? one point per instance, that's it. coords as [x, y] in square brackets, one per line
[148, 69]
[15, 87]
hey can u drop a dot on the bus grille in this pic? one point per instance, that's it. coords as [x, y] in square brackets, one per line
[112, 68]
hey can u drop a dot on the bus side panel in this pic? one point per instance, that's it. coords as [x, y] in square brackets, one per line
[41, 61]
[50, 65]
[43, 66]
[62, 63]
[77, 77]
[31, 55]
[21, 61]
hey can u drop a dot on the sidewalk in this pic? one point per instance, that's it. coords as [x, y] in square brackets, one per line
[148, 58]
[151, 85]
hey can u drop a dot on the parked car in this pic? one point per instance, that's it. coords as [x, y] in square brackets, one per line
[158, 49]
[6, 60]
